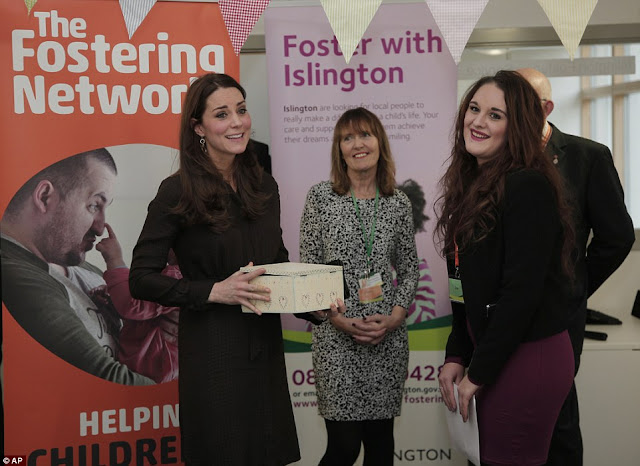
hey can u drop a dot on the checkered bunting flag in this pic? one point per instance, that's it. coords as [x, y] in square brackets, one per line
[569, 18]
[134, 12]
[456, 20]
[240, 16]
[349, 20]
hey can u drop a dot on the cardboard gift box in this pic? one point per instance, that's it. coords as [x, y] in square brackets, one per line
[297, 287]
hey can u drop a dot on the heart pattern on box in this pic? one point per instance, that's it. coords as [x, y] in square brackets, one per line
[334, 297]
[320, 298]
[306, 299]
[283, 302]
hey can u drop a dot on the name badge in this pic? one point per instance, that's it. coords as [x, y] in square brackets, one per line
[370, 288]
[455, 290]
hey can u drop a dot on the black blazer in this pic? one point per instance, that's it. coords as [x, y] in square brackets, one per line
[595, 189]
[596, 194]
[516, 271]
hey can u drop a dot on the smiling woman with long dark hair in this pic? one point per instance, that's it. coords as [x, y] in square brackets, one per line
[507, 234]
[219, 212]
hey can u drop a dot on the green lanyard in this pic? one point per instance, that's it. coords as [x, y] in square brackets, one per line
[368, 239]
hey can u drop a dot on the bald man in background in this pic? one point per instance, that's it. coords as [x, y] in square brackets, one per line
[596, 194]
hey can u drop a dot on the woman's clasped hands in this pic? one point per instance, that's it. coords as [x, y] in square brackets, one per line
[237, 289]
[369, 330]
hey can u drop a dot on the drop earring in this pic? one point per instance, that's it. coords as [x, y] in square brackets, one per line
[203, 144]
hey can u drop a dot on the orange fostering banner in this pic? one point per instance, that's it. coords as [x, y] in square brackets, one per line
[75, 392]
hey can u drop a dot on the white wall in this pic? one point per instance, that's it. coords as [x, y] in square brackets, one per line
[253, 77]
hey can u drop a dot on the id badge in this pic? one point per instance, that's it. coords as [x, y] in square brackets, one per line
[455, 288]
[370, 288]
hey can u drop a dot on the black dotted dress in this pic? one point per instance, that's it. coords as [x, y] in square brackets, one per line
[356, 382]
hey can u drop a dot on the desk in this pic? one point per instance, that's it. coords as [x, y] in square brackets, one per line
[608, 386]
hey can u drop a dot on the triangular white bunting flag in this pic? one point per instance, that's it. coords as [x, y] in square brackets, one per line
[569, 18]
[30, 4]
[240, 16]
[349, 20]
[456, 20]
[134, 12]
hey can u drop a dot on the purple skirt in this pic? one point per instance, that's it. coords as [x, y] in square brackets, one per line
[517, 414]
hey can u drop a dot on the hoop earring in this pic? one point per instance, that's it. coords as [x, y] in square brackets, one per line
[203, 145]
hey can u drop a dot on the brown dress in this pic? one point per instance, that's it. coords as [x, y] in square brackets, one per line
[234, 399]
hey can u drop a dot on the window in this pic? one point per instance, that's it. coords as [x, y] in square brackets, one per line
[613, 107]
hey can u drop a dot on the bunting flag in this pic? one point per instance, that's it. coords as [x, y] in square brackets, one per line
[349, 21]
[456, 20]
[134, 12]
[30, 4]
[569, 18]
[240, 16]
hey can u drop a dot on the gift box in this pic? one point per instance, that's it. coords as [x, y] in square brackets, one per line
[297, 287]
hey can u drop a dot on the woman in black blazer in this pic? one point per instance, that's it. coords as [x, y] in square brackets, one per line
[506, 231]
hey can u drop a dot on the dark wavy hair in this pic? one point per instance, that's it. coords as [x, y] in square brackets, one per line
[204, 197]
[358, 120]
[471, 194]
[418, 202]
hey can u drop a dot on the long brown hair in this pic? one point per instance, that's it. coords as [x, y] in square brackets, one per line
[358, 120]
[470, 197]
[205, 194]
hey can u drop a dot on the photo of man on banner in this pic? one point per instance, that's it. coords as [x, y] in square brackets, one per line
[48, 287]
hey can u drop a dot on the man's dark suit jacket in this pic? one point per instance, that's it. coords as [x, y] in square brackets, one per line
[262, 154]
[598, 200]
